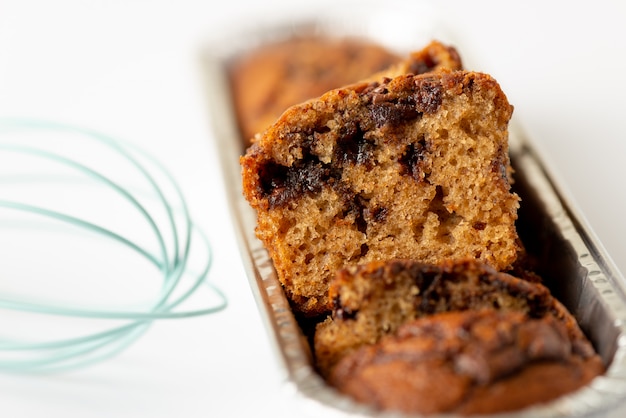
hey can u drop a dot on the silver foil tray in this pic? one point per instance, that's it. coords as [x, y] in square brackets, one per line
[572, 262]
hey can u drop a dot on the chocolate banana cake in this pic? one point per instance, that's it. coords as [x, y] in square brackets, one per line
[269, 79]
[413, 167]
[266, 81]
[375, 299]
[470, 362]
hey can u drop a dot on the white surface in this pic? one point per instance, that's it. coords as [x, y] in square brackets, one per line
[129, 68]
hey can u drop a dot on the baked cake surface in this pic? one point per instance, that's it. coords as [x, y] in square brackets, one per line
[375, 299]
[412, 167]
[469, 362]
[266, 81]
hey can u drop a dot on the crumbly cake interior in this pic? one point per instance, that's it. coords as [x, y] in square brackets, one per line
[412, 167]
[373, 300]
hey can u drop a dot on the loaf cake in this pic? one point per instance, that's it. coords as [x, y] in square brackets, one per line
[375, 299]
[468, 362]
[413, 167]
[269, 79]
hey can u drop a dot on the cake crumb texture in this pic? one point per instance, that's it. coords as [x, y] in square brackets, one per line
[411, 167]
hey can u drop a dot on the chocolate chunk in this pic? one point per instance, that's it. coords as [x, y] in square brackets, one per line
[352, 147]
[342, 312]
[428, 96]
[479, 226]
[377, 214]
[281, 184]
[356, 206]
[393, 113]
[411, 161]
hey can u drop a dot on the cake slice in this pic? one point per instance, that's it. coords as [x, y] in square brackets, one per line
[375, 299]
[412, 167]
[269, 79]
[470, 362]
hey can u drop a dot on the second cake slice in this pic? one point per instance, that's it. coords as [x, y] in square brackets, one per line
[411, 167]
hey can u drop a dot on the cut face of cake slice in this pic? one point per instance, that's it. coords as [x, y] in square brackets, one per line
[413, 167]
[374, 299]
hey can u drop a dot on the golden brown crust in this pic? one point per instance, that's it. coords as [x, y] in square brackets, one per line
[470, 362]
[435, 56]
[410, 167]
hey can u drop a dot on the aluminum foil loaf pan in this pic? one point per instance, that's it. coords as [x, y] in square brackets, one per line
[570, 259]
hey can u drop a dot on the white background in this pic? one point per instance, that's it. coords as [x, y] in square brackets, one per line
[130, 69]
